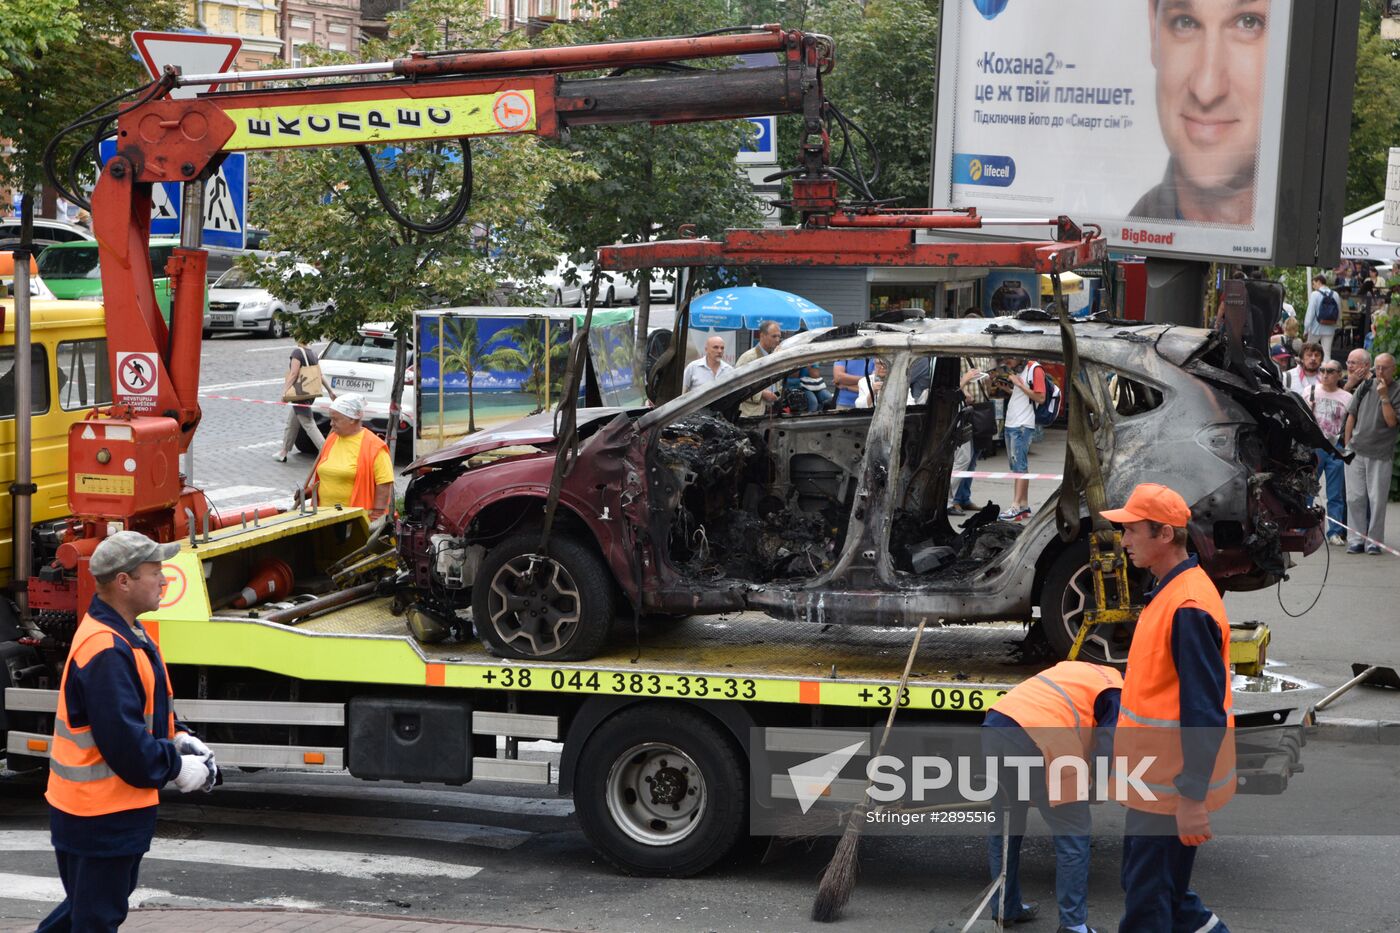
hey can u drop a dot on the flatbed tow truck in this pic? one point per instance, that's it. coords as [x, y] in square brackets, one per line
[655, 731]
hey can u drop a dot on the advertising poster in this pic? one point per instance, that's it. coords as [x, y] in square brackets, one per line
[480, 368]
[1008, 292]
[1159, 120]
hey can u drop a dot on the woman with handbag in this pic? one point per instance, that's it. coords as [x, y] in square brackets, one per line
[302, 386]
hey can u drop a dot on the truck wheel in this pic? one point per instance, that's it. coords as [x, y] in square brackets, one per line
[562, 610]
[661, 790]
[1068, 591]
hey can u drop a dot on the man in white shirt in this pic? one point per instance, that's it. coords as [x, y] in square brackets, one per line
[1308, 373]
[708, 368]
[1314, 330]
[1027, 380]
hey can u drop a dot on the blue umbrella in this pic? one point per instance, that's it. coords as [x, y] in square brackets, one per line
[746, 308]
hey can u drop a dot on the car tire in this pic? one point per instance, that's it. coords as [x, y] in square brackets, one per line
[206, 333]
[557, 299]
[276, 327]
[304, 443]
[1067, 592]
[611, 299]
[570, 608]
[662, 790]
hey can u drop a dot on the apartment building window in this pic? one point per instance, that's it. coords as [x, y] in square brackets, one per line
[496, 8]
[338, 29]
[252, 24]
[228, 18]
[301, 22]
[522, 11]
[297, 60]
[337, 46]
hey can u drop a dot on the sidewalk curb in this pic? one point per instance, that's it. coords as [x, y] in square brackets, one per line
[1342, 729]
[404, 919]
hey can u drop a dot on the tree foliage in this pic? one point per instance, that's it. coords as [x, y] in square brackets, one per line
[1375, 115]
[321, 205]
[51, 72]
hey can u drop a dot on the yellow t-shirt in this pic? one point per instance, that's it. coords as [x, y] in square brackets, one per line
[337, 471]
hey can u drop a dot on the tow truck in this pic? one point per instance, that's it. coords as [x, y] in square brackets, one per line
[655, 732]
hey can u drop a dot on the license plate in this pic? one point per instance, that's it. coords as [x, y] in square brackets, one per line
[354, 385]
[221, 318]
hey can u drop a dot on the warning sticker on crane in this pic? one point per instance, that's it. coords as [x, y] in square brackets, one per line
[374, 121]
[138, 380]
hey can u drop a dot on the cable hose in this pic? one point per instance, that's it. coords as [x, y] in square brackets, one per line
[447, 220]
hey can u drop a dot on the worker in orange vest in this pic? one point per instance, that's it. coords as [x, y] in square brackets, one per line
[353, 468]
[1175, 728]
[116, 741]
[1064, 715]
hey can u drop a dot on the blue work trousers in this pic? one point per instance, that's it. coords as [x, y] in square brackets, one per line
[1068, 822]
[97, 891]
[1157, 895]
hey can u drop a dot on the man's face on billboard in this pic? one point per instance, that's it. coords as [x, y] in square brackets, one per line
[1210, 57]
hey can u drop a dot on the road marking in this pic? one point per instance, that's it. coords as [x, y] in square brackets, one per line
[493, 837]
[359, 790]
[218, 493]
[274, 858]
[283, 347]
[225, 386]
[259, 446]
[50, 890]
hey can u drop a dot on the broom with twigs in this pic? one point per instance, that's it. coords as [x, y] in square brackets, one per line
[839, 879]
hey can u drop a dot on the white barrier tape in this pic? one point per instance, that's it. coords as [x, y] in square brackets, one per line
[978, 474]
[1371, 541]
[238, 398]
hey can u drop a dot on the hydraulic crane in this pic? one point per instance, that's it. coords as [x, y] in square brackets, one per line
[124, 461]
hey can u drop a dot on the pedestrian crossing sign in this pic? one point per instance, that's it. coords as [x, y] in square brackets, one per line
[225, 202]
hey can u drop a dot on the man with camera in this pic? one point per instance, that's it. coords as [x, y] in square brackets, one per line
[1371, 429]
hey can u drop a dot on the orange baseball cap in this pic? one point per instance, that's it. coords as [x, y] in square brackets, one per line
[1152, 502]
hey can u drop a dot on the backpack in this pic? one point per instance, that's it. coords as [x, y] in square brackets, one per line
[1047, 411]
[1329, 312]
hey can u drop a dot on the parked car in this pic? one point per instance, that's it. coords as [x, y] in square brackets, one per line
[839, 517]
[73, 272]
[237, 304]
[612, 289]
[221, 260]
[663, 286]
[46, 232]
[365, 366]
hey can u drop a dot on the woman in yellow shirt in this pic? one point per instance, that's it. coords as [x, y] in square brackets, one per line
[353, 469]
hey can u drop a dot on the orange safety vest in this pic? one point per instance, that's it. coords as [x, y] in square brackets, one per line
[362, 492]
[1056, 709]
[80, 781]
[1149, 721]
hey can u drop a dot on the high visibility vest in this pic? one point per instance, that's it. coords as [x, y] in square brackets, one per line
[1149, 722]
[362, 491]
[80, 780]
[1056, 709]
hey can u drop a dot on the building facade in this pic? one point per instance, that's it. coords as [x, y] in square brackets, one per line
[330, 24]
[253, 21]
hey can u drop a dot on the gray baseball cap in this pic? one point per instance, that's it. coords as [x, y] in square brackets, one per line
[124, 551]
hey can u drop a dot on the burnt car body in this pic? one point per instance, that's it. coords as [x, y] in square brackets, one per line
[839, 517]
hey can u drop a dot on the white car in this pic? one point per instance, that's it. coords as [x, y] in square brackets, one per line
[236, 304]
[613, 289]
[365, 366]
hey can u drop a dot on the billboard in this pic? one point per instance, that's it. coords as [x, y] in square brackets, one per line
[1163, 121]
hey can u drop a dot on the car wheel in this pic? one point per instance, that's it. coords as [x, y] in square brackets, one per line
[559, 608]
[558, 300]
[276, 327]
[1067, 593]
[304, 443]
[207, 333]
[611, 299]
[662, 790]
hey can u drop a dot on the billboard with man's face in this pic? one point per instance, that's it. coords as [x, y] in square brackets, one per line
[1160, 120]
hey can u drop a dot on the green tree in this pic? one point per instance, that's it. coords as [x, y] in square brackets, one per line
[54, 69]
[651, 179]
[321, 204]
[1375, 115]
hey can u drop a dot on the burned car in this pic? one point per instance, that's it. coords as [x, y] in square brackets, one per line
[840, 517]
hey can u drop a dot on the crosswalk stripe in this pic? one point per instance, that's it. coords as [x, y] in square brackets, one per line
[14, 887]
[276, 858]
[494, 837]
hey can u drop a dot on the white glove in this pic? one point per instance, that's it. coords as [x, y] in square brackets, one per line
[195, 772]
[187, 744]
